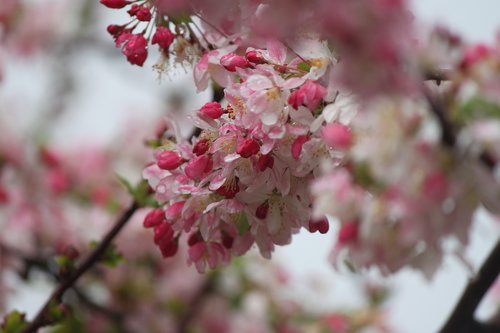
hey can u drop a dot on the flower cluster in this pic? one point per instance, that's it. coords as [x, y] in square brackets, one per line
[133, 37]
[289, 119]
[245, 179]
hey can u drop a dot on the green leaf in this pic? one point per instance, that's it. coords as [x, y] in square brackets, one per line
[477, 108]
[126, 184]
[140, 192]
[14, 322]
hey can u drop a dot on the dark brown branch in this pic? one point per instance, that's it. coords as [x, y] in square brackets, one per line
[462, 319]
[41, 318]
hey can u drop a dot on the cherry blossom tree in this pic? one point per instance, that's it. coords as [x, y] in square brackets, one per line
[323, 113]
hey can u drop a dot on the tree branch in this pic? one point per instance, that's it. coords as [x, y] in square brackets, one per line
[462, 318]
[41, 318]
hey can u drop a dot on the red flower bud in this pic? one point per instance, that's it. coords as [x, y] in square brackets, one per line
[115, 4]
[169, 160]
[169, 249]
[248, 147]
[143, 14]
[154, 218]
[201, 147]
[264, 162]
[255, 57]
[163, 37]
[135, 49]
[211, 110]
[231, 61]
[114, 29]
[163, 233]
[262, 210]
[319, 225]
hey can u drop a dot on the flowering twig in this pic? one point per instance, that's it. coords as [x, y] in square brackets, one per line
[41, 318]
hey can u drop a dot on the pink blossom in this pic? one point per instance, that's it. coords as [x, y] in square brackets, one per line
[309, 94]
[169, 160]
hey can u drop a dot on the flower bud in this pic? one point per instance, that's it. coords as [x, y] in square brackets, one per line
[169, 160]
[135, 49]
[231, 61]
[248, 147]
[201, 147]
[163, 37]
[197, 167]
[255, 57]
[211, 110]
[264, 162]
[262, 210]
[319, 225]
[337, 136]
[115, 4]
[154, 218]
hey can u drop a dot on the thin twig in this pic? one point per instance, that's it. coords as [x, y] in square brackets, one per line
[41, 318]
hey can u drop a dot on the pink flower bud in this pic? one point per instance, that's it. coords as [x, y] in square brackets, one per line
[135, 49]
[211, 110]
[297, 146]
[248, 147]
[262, 210]
[231, 61]
[348, 232]
[264, 162]
[163, 233]
[163, 37]
[197, 167]
[255, 57]
[201, 147]
[115, 4]
[154, 218]
[319, 225]
[169, 160]
[143, 14]
[114, 29]
[337, 136]
[169, 249]
[309, 94]
[134, 10]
